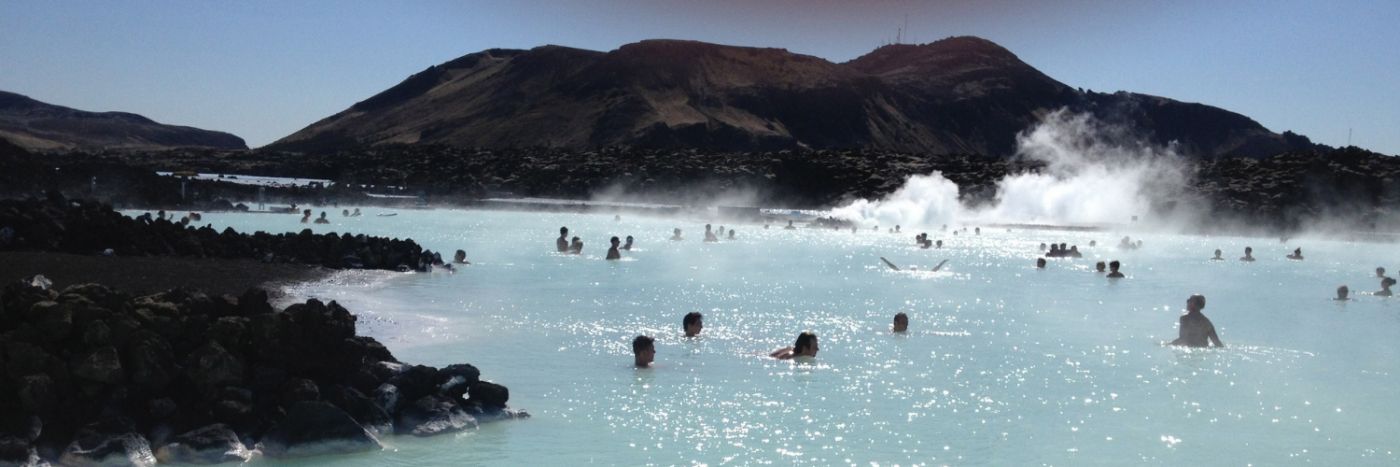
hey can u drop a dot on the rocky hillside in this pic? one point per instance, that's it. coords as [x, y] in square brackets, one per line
[957, 95]
[40, 126]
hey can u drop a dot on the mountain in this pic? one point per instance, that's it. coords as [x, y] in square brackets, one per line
[39, 126]
[957, 95]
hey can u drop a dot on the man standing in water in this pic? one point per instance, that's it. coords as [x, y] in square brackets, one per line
[1113, 270]
[613, 254]
[562, 243]
[693, 322]
[643, 351]
[1248, 254]
[1195, 329]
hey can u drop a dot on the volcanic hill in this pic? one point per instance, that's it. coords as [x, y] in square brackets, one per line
[956, 95]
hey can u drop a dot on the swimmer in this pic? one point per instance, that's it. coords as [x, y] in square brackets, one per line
[344, 213]
[1074, 252]
[1297, 254]
[789, 226]
[612, 250]
[1217, 256]
[1098, 267]
[709, 235]
[1113, 270]
[1054, 251]
[617, 218]
[1040, 263]
[901, 323]
[356, 213]
[896, 230]
[643, 351]
[1248, 254]
[322, 219]
[806, 346]
[1342, 292]
[1385, 287]
[676, 235]
[731, 234]
[628, 246]
[977, 231]
[562, 243]
[939, 244]
[1042, 246]
[460, 257]
[1195, 329]
[1093, 243]
[576, 247]
[305, 216]
[1380, 272]
[693, 323]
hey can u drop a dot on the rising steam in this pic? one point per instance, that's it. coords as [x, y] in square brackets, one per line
[1094, 173]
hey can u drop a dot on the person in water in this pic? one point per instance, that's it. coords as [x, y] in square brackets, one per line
[1342, 293]
[1074, 252]
[693, 323]
[1297, 254]
[1040, 263]
[344, 213]
[901, 322]
[356, 213]
[806, 346]
[1385, 287]
[676, 235]
[322, 219]
[1248, 254]
[1098, 267]
[643, 351]
[1042, 246]
[789, 226]
[1113, 270]
[731, 234]
[460, 257]
[710, 235]
[576, 247]
[305, 216]
[1380, 272]
[1195, 328]
[562, 243]
[939, 244]
[1217, 256]
[612, 250]
[628, 246]
[1093, 243]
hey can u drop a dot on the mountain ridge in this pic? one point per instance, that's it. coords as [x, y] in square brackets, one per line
[37, 125]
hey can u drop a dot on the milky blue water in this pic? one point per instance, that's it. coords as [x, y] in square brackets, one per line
[1003, 364]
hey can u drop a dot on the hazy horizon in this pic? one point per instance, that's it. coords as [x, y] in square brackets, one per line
[263, 70]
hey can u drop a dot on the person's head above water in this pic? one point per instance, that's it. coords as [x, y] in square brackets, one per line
[563, 231]
[1380, 272]
[806, 345]
[1099, 266]
[901, 322]
[1040, 263]
[1387, 282]
[693, 323]
[614, 241]
[1114, 265]
[1196, 303]
[707, 227]
[629, 239]
[1217, 252]
[643, 351]
[1248, 251]
[1342, 292]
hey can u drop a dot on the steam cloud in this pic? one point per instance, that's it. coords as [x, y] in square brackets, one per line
[1094, 173]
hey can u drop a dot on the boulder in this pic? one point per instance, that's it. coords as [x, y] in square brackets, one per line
[52, 319]
[17, 451]
[366, 411]
[488, 396]
[456, 379]
[112, 442]
[103, 365]
[151, 360]
[211, 366]
[432, 415]
[213, 444]
[300, 389]
[313, 428]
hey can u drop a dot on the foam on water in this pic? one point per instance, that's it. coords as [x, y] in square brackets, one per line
[1004, 364]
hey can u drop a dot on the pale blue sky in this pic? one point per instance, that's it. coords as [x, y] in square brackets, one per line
[264, 69]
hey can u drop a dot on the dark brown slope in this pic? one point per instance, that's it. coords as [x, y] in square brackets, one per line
[957, 95]
[40, 126]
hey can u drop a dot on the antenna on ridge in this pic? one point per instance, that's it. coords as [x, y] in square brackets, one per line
[1348, 136]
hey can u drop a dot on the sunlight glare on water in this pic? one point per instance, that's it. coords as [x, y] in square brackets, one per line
[1004, 364]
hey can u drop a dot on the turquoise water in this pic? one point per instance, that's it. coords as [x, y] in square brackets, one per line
[1003, 365]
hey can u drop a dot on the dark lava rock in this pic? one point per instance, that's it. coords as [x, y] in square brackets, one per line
[17, 451]
[103, 365]
[313, 428]
[488, 396]
[213, 444]
[112, 442]
[432, 415]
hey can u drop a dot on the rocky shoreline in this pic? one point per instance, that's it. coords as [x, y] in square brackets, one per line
[94, 376]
